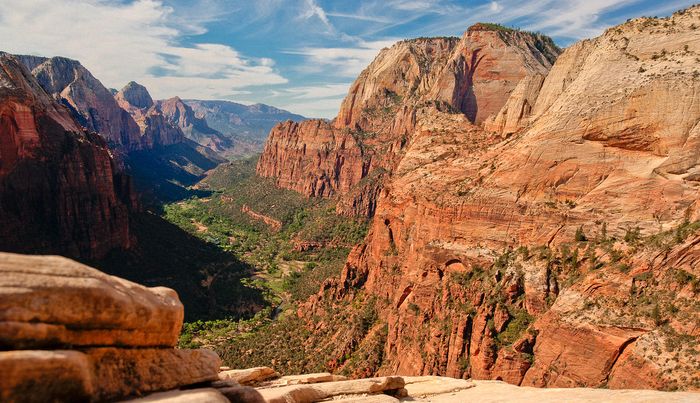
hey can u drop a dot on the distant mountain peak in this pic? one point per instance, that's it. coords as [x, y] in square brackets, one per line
[136, 95]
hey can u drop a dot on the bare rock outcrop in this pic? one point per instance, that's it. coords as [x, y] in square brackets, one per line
[91, 103]
[195, 128]
[352, 156]
[101, 337]
[61, 191]
[48, 302]
[154, 126]
[534, 255]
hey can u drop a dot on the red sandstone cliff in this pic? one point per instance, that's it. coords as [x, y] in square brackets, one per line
[59, 192]
[351, 156]
[552, 249]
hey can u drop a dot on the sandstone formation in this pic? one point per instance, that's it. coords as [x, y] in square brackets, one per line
[91, 103]
[351, 156]
[155, 128]
[181, 115]
[53, 302]
[102, 338]
[548, 242]
[247, 376]
[60, 190]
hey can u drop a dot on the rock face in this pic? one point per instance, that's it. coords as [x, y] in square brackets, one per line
[60, 191]
[93, 105]
[474, 76]
[155, 128]
[128, 314]
[312, 158]
[195, 128]
[103, 338]
[541, 251]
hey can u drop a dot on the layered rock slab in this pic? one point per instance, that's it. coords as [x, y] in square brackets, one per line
[100, 374]
[48, 301]
[110, 338]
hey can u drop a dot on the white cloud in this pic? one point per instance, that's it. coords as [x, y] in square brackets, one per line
[136, 41]
[312, 9]
[319, 91]
[578, 19]
[322, 100]
[344, 62]
[495, 7]
[319, 108]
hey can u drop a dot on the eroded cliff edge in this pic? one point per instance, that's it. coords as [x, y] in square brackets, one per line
[352, 155]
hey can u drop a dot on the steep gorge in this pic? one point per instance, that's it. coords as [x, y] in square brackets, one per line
[538, 235]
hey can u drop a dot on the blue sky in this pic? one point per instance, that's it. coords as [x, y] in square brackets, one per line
[300, 55]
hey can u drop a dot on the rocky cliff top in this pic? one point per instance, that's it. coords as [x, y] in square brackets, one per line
[136, 95]
[473, 76]
[91, 103]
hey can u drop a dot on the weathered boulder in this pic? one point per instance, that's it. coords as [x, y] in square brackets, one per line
[49, 301]
[433, 385]
[101, 373]
[320, 391]
[113, 338]
[308, 378]
[249, 375]
[123, 372]
[204, 395]
[42, 376]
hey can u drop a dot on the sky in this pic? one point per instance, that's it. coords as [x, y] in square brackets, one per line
[299, 55]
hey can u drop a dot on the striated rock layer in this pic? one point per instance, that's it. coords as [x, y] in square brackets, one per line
[102, 338]
[555, 248]
[60, 191]
[351, 156]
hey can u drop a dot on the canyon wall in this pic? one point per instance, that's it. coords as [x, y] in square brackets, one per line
[551, 245]
[352, 155]
[60, 191]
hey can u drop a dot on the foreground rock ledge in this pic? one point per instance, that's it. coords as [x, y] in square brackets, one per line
[51, 301]
[389, 389]
[109, 338]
